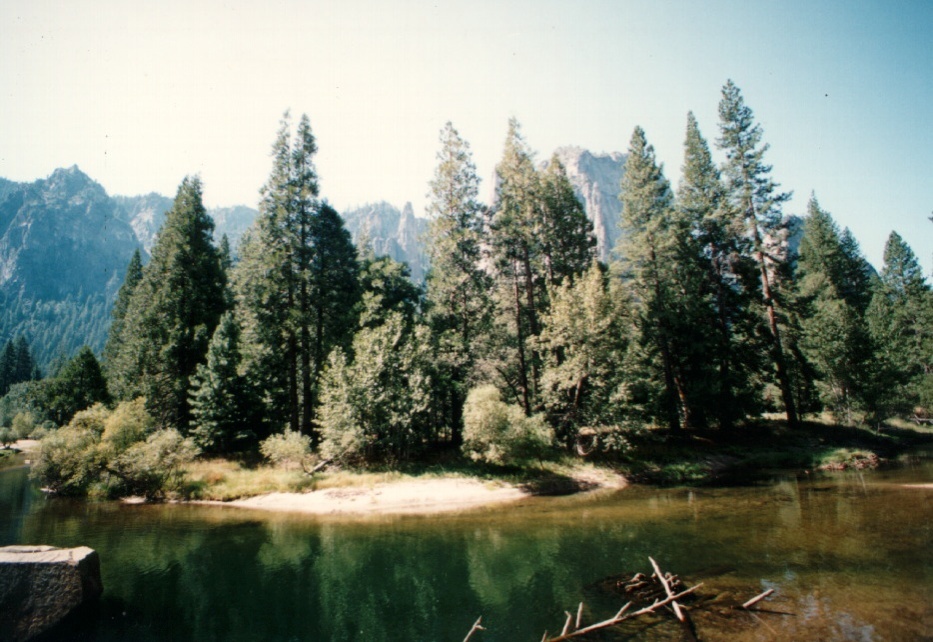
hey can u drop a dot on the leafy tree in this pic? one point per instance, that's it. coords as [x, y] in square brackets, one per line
[755, 204]
[80, 384]
[376, 407]
[222, 404]
[286, 449]
[500, 433]
[295, 283]
[172, 312]
[457, 285]
[584, 338]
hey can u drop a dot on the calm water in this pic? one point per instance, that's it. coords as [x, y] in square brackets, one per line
[850, 557]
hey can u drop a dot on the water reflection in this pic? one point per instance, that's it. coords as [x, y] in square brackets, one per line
[848, 556]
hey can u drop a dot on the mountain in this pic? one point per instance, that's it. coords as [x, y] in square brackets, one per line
[596, 180]
[145, 214]
[393, 233]
[64, 248]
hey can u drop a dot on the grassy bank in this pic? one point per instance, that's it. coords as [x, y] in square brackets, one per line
[764, 446]
[653, 457]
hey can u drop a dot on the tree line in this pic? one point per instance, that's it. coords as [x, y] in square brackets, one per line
[520, 338]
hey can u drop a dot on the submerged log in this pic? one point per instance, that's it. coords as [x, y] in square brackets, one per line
[40, 585]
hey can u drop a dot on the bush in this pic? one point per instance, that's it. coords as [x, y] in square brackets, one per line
[499, 433]
[23, 425]
[6, 437]
[113, 450]
[156, 466]
[69, 460]
[127, 424]
[288, 449]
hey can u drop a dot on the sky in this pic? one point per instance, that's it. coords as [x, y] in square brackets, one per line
[140, 94]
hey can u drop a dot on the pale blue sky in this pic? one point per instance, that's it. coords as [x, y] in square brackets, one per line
[138, 94]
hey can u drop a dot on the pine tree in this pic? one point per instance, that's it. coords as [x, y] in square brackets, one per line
[649, 251]
[457, 285]
[172, 311]
[900, 319]
[835, 337]
[567, 239]
[223, 408]
[79, 385]
[515, 249]
[134, 274]
[711, 245]
[295, 283]
[755, 203]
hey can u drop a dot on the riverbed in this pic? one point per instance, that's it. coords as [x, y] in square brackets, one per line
[848, 554]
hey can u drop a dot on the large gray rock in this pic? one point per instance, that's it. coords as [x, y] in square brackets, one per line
[40, 585]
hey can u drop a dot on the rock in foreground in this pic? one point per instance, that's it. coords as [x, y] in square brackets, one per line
[40, 585]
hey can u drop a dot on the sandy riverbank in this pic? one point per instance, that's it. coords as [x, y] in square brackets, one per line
[410, 497]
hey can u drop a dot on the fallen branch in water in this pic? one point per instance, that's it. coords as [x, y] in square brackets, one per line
[644, 588]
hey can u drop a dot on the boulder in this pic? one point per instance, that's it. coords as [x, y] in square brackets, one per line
[40, 585]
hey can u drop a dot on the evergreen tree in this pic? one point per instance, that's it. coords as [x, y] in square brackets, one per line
[755, 204]
[567, 239]
[295, 283]
[900, 319]
[650, 253]
[835, 337]
[79, 385]
[172, 312]
[457, 285]
[516, 252]
[134, 274]
[222, 404]
[711, 245]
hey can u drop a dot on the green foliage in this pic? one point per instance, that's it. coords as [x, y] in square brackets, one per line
[500, 433]
[115, 451]
[376, 407]
[69, 460]
[900, 321]
[222, 401]
[7, 437]
[79, 384]
[27, 397]
[295, 284]
[154, 467]
[134, 274]
[287, 450]
[584, 340]
[172, 312]
[16, 364]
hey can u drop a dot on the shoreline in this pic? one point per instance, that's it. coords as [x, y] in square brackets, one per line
[411, 497]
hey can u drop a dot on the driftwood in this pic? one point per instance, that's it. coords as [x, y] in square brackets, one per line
[657, 590]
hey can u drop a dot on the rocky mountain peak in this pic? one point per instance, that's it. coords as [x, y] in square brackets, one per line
[596, 180]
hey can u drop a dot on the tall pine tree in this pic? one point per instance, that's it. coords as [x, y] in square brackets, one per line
[457, 286]
[755, 203]
[172, 312]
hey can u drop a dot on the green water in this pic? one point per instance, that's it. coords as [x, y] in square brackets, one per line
[849, 556]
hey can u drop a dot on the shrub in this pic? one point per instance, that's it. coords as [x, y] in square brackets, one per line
[6, 437]
[499, 433]
[127, 424]
[23, 425]
[68, 460]
[154, 466]
[287, 449]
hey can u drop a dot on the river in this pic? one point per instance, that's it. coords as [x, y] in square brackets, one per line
[850, 556]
